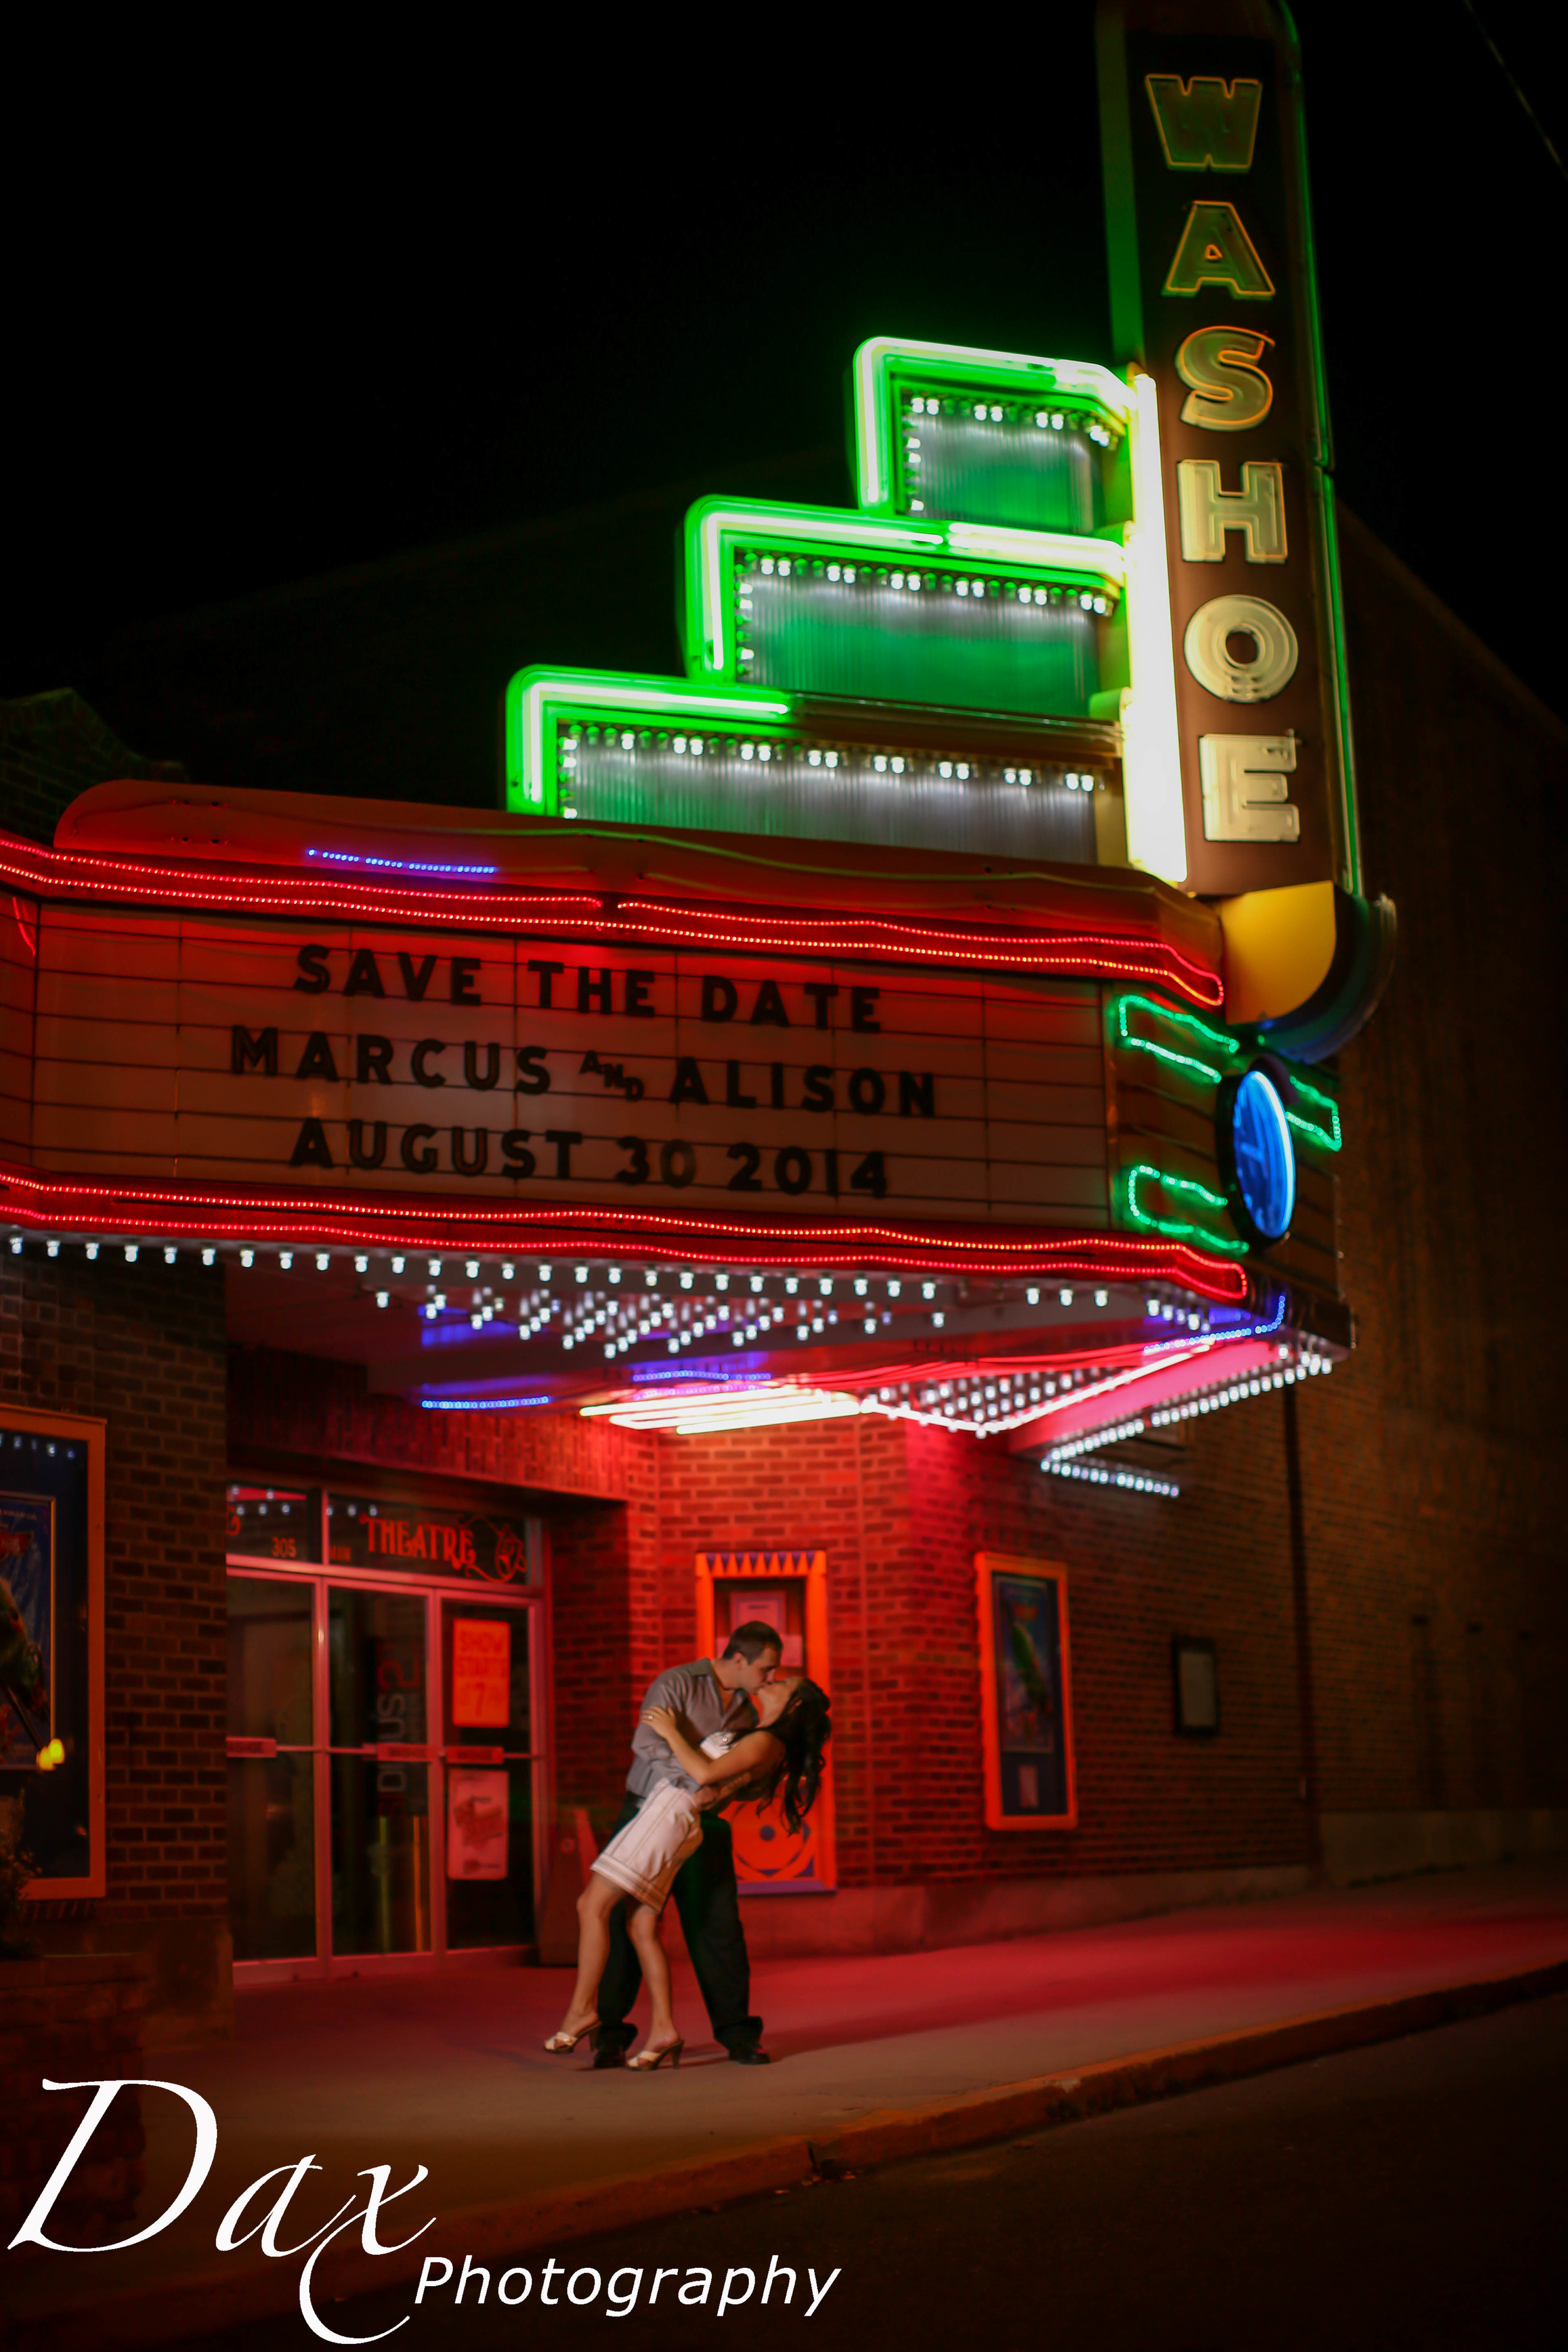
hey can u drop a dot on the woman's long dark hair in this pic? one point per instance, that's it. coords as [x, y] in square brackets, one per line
[806, 1729]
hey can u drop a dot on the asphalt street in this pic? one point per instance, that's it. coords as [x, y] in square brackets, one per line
[1410, 2195]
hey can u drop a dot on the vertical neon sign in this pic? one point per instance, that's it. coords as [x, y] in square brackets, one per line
[1212, 294]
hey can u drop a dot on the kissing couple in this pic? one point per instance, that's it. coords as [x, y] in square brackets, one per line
[716, 1733]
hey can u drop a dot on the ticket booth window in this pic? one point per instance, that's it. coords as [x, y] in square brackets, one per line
[788, 1590]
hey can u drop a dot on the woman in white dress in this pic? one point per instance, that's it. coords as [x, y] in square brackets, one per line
[639, 1863]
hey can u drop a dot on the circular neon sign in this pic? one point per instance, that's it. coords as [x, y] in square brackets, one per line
[1262, 1156]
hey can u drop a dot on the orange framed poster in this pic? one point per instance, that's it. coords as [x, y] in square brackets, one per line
[787, 1589]
[51, 1646]
[1026, 1687]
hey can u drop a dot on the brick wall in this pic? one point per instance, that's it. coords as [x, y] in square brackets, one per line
[52, 747]
[1435, 1540]
[143, 1347]
[307, 1409]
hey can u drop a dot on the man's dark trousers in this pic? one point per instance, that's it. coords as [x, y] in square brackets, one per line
[705, 1895]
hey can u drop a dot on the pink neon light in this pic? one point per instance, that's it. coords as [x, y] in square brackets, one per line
[50, 872]
[1197, 1368]
[393, 1222]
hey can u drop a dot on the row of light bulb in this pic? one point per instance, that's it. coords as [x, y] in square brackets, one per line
[897, 763]
[1236, 1391]
[911, 582]
[401, 1262]
[991, 412]
[1098, 1473]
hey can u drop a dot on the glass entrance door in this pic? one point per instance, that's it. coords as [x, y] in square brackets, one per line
[272, 1772]
[379, 1748]
[486, 1689]
[382, 1763]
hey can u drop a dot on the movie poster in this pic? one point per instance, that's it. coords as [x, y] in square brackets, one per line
[1027, 1693]
[26, 1629]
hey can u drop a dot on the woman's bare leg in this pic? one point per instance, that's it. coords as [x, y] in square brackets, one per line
[642, 1925]
[594, 1904]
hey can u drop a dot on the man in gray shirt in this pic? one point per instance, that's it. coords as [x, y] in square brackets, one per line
[709, 1696]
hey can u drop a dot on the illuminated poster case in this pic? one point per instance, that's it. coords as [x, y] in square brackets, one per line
[51, 1647]
[1025, 1685]
[787, 1589]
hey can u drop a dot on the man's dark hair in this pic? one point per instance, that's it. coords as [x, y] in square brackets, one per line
[749, 1641]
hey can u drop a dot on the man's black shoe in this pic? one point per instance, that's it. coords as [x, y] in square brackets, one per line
[608, 2053]
[748, 2054]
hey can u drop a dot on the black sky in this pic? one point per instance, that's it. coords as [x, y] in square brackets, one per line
[273, 312]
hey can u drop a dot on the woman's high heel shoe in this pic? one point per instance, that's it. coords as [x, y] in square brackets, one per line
[648, 2061]
[558, 2042]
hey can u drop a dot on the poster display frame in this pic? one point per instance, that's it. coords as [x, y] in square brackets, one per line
[774, 1564]
[990, 1569]
[89, 1432]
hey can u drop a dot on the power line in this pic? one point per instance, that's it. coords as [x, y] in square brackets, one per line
[1536, 123]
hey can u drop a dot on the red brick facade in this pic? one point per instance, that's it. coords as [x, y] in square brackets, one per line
[143, 1346]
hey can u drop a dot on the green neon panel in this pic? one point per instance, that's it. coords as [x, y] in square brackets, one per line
[635, 751]
[1001, 438]
[974, 617]
[1153, 1200]
[1002, 466]
[538, 700]
[1194, 1049]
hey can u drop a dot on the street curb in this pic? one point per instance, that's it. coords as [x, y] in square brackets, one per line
[1072, 2096]
[213, 2300]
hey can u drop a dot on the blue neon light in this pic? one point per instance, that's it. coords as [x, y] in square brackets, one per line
[1265, 1162]
[398, 865]
[479, 1404]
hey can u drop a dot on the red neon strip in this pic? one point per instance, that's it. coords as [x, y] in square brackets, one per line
[1202, 1368]
[915, 1372]
[300, 1220]
[48, 871]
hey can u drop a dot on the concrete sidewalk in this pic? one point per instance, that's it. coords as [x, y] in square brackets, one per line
[522, 2149]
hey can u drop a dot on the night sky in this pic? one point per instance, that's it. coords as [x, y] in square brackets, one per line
[274, 314]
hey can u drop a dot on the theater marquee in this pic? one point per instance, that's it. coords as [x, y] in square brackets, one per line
[221, 1053]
